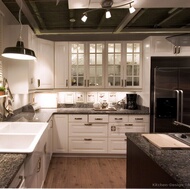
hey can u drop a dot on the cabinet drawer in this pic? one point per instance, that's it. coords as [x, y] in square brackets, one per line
[88, 129]
[78, 118]
[117, 130]
[138, 118]
[87, 145]
[118, 118]
[98, 118]
[117, 145]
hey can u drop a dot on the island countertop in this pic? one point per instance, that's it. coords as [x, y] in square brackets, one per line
[174, 162]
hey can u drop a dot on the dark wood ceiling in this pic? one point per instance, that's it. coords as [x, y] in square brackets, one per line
[51, 20]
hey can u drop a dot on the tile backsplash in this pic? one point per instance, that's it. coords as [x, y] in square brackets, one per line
[52, 100]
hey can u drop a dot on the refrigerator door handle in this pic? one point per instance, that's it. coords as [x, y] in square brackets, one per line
[181, 119]
[177, 92]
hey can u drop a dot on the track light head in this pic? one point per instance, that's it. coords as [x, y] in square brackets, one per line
[84, 17]
[108, 14]
[131, 9]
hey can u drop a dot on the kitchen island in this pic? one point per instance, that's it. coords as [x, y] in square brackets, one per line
[151, 167]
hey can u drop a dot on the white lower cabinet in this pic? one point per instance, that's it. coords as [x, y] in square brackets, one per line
[121, 124]
[60, 133]
[88, 134]
[95, 133]
[34, 165]
[117, 145]
[48, 148]
[19, 180]
[87, 145]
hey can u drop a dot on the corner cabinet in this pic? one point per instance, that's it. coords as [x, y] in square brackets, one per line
[60, 133]
[86, 64]
[124, 62]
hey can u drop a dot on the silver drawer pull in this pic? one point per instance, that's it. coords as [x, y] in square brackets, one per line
[98, 119]
[87, 139]
[139, 119]
[118, 118]
[129, 124]
[88, 124]
[78, 118]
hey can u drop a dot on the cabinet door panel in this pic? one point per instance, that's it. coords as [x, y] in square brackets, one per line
[60, 133]
[46, 63]
[61, 64]
[87, 145]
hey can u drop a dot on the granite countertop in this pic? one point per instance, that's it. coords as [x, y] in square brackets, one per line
[43, 115]
[9, 166]
[10, 163]
[175, 162]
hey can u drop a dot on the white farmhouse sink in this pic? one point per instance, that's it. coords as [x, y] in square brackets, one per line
[24, 127]
[20, 137]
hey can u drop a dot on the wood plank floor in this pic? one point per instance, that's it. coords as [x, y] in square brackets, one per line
[86, 172]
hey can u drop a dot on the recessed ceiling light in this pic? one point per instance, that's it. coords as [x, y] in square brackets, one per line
[72, 20]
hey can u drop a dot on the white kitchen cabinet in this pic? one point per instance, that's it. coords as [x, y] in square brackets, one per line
[121, 124]
[45, 60]
[34, 164]
[88, 134]
[48, 148]
[17, 72]
[61, 64]
[60, 133]
[124, 62]
[160, 46]
[86, 64]
[19, 179]
[87, 145]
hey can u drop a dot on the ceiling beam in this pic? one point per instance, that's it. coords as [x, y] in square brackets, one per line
[125, 21]
[29, 16]
[110, 31]
[37, 13]
[169, 17]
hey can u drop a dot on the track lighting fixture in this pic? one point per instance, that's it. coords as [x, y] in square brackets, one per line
[131, 9]
[19, 52]
[107, 5]
[84, 18]
[108, 14]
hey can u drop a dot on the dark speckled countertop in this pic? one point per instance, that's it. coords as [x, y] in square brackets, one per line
[9, 166]
[175, 162]
[10, 163]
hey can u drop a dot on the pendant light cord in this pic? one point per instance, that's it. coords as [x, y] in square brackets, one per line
[19, 19]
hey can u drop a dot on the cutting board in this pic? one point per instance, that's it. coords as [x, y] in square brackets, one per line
[164, 141]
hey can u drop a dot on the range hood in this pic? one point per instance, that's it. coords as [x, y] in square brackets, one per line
[179, 40]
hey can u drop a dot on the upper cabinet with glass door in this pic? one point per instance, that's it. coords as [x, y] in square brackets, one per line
[86, 64]
[123, 64]
[132, 64]
[77, 64]
[114, 63]
[95, 59]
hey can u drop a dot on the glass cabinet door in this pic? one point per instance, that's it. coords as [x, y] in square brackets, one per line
[114, 64]
[133, 60]
[77, 57]
[95, 74]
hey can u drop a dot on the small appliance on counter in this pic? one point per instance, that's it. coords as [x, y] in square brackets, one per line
[131, 101]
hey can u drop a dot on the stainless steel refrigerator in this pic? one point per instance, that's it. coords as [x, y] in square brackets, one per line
[170, 94]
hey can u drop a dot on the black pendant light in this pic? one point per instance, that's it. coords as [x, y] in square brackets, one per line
[19, 52]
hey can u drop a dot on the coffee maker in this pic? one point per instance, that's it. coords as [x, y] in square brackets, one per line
[131, 101]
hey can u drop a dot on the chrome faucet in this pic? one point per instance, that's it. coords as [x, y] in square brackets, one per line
[177, 123]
